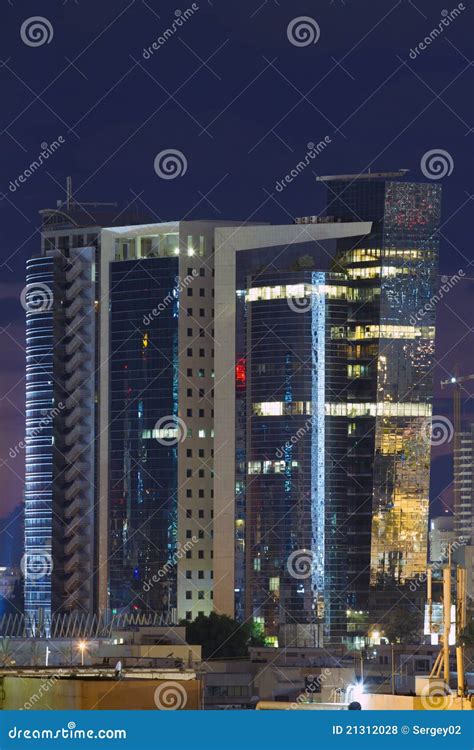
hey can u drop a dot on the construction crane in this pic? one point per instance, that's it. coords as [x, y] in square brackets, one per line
[456, 382]
[442, 660]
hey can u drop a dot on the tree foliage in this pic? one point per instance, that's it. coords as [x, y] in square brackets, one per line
[403, 625]
[221, 637]
[466, 638]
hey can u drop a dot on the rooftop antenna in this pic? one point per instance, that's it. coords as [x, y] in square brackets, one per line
[69, 198]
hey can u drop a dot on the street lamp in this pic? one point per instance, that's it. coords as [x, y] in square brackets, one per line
[82, 646]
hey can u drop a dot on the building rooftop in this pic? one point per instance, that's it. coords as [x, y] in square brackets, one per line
[362, 176]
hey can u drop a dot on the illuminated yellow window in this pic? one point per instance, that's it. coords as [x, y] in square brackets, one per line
[381, 409]
[281, 408]
[266, 293]
[390, 332]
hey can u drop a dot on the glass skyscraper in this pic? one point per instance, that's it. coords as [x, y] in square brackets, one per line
[62, 298]
[295, 452]
[37, 560]
[144, 363]
[333, 406]
[393, 272]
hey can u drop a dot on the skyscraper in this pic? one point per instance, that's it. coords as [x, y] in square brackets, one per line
[61, 301]
[155, 534]
[277, 485]
[361, 413]
[389, 390]
[464, 486]
[294, 453]
[463, 535]
[440, 537]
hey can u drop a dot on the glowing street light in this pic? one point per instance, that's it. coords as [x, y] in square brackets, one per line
[355, 692]
[82, 646]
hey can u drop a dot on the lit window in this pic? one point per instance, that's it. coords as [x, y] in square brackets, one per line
[281, 408]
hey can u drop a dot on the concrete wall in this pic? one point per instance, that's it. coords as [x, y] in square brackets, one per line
[40, 693]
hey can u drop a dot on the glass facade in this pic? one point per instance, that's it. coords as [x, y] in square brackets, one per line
[393, 273]
[333, 406]
[143, 502]
[294, 486]
[37, 560]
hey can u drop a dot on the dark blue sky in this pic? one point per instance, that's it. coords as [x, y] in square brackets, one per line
[241, 102]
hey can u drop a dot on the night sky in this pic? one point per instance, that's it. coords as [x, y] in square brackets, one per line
[241, 101]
